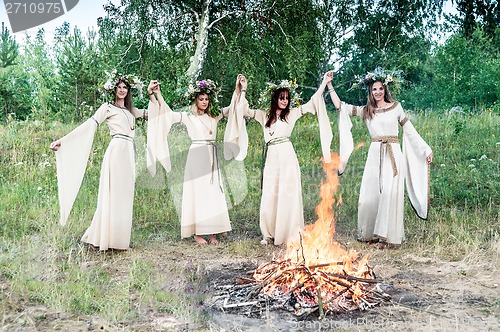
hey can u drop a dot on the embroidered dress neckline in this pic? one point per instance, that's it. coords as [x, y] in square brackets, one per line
[387, 109]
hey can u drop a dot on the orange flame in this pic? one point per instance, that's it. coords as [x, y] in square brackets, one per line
[310, 262]
[317, 244]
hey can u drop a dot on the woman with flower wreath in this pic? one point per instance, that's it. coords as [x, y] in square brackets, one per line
[112, 221]
[281, 207]
[381, 197]
[204, 211]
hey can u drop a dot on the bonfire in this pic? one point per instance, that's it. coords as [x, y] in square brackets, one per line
[316, 274]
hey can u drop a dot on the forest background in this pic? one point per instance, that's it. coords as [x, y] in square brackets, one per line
[181, 41]
[452, 67]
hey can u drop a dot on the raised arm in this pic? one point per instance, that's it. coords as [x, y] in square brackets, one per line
[237, 93]
[333, 95]
[156, 97]
[312, 105]
[348, 109]
[258, 115]
[154, 88]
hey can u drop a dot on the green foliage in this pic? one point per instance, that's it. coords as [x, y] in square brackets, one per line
[9, 49]
[37, 62]
[386, 35]
[463, 72]
[80, 70]
[474, 14]
[467, 177]
[14, 90]
[267, 41]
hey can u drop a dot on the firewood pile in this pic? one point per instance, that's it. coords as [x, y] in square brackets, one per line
[316, 274]
[300, 290]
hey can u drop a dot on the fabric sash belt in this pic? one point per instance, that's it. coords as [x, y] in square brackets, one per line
[125, 137]
[385, 144]
[274, 141]
[215, 159]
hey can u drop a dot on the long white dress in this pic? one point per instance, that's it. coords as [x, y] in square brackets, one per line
[112, 221]
[204, 209]
[281, 207]
[381, 196]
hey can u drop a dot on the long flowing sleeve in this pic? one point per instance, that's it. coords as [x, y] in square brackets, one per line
[159, 124]
[235, 136]
[415, 152]
[346, 144]
[316, 105]
[71, 161]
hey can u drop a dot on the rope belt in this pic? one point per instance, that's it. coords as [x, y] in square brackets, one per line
[215, 159]
[122, 136]
[385, 144]
[274, 141]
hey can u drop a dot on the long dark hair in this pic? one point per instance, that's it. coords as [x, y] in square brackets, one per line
[274, 107]
[128, 97]
[371, 105]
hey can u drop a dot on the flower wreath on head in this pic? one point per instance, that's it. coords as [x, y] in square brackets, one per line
[393, 79]
[267, 94]
[207, 87]
[113, 78]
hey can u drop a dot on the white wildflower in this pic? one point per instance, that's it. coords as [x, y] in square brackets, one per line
[108, 86]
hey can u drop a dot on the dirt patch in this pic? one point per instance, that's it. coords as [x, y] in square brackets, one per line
[427, 293]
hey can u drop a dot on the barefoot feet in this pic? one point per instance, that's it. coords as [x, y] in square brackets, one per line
[212, 239]
[200, 240]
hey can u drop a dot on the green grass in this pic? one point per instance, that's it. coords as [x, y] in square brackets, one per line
[42, 263]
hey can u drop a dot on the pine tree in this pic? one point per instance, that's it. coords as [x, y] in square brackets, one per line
[9, 49]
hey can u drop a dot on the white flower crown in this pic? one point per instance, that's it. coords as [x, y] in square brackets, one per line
[389, 78]
[267, 94]
[113, 78]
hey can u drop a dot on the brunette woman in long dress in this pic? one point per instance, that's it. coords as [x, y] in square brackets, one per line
[281, 207]
[112, 221]
[381, 196]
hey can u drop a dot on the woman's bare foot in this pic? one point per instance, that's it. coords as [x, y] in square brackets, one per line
[212, 239]
[200, 240]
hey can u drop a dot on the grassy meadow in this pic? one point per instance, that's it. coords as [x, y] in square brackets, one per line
[44, 269]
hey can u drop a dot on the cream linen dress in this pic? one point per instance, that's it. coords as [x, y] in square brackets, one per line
[204, 209]
[281, 207]
[381, 196]
[112, 222]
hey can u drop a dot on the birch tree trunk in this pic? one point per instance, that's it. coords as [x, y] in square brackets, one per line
[200, 53]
